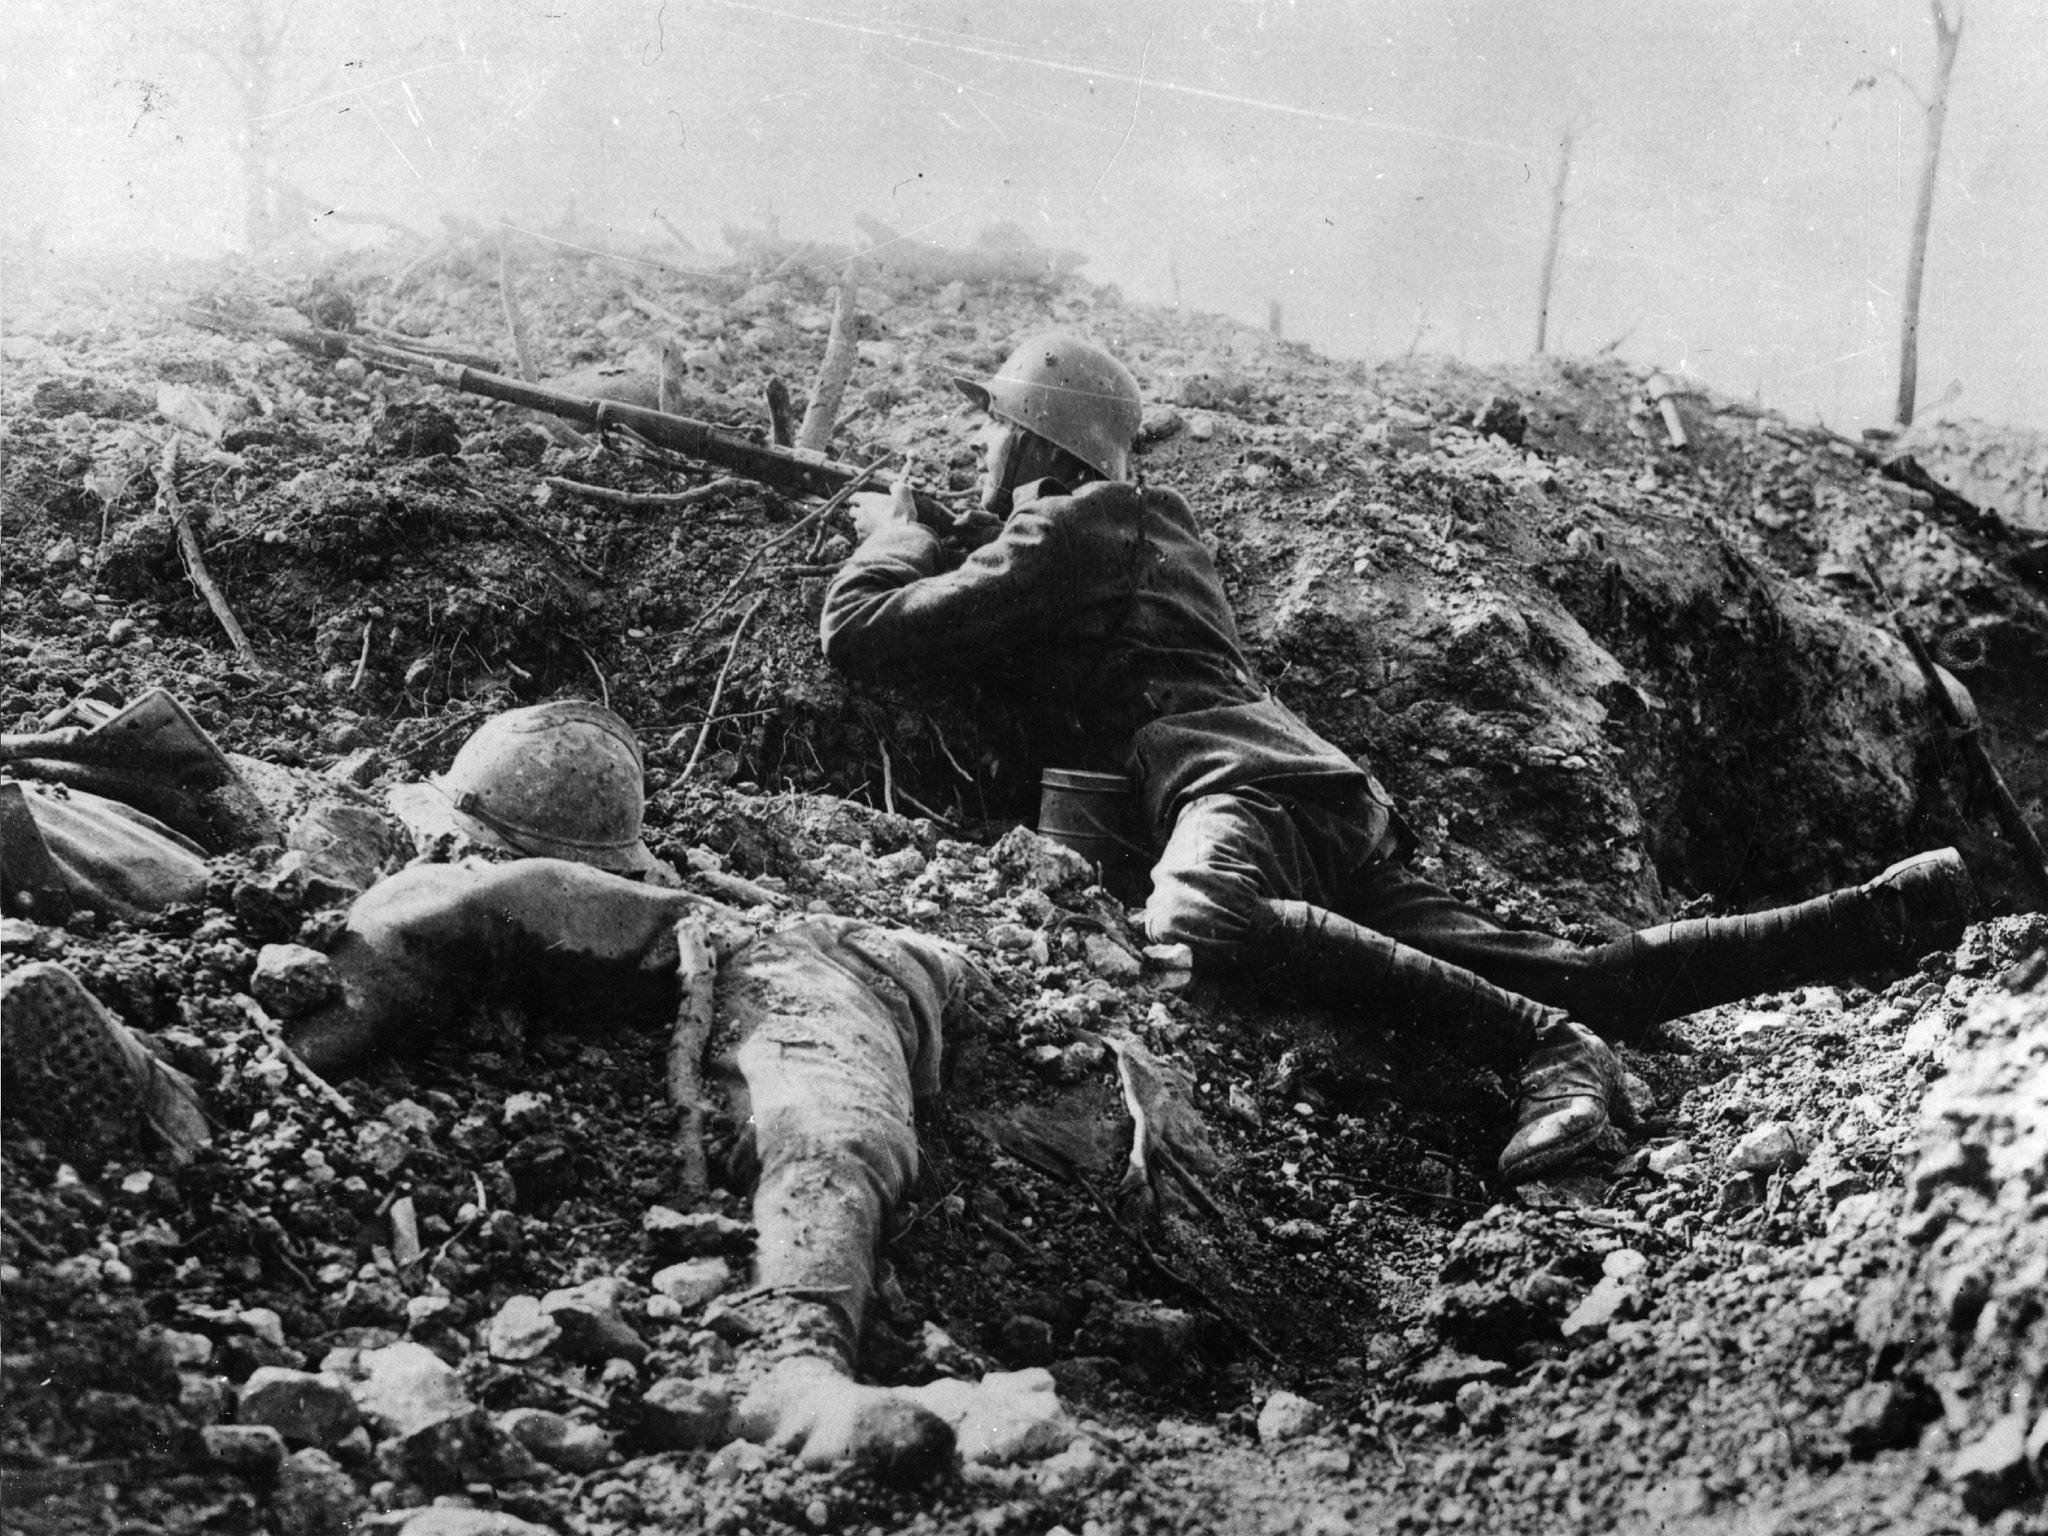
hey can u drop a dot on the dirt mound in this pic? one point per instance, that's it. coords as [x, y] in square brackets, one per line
[1607, 677]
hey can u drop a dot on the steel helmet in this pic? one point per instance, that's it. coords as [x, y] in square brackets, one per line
[1070, 392]
[557, 781]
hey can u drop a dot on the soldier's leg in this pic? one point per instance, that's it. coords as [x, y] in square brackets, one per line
[836, 1029]
[1673, 969]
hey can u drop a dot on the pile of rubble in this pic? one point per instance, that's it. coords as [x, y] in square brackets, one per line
[1602, 673]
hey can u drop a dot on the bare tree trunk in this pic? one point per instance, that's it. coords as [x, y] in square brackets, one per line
[1273, 318]
[1549, 273]
[1947, 35]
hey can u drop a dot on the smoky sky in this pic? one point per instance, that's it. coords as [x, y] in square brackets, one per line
[1740, 186]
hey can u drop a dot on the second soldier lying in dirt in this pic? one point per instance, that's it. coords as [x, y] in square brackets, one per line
[828, 1036]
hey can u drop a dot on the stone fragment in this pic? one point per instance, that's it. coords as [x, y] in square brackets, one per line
[1480, 1407]
[1439, 1377]
[186, 1349]
[1288, 1416]
[1110, 960]
[407, 1387]
[591, 1324]
[291, 980]
[683, 1413]
[1024, 858]
[558, 1441]
[1665, 1160]
[1007, 1416]
[1881, 1416]
[1501, 416]
[694, 1281]
[1991, 1473]
[521, 1330]
[1610, 1301]
[314, 1497]
[247, 1450]
[457, 1520]
[527, 1114]
[1624, 1264]
[735, 1460]
[693, 1235]
[1766, 1149]
[1145, 1334]
[311, 1409]
[1159, 423]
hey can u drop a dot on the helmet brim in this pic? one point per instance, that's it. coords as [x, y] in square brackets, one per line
[427, 812]
[976, 391]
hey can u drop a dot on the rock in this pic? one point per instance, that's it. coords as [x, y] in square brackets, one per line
[415, 430]
[1439, 1377]
[62, 555]
[362, 767]
[1024, 858]
[1502, 417]
[527, 1114]
[291, 980]
[247, 1450]
[684, 1413]
[735, 1460]
[406, 1387]
[558, 1441]
[122, 631]
[693, 1235]
[1287, 1416]
[1624, 1264]
[314, 1497]
[1145, 1334]
[1160, 422]
[694, 1281]
[1068, 1473]
[592, 1329]
[1608, 1302]
[456, 1520]
[1883, 1416]
[1480, 1407]
[1991, 1473]
[311, 1409]
[1766, 1149]
[1664, 1161]
[412, 1119]
[1027, 1340]
[1110, 960]
[1201, 427]
[185, 1350]
[1005, 1417]
[521, 1330]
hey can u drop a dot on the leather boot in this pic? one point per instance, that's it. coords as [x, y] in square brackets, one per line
[1918, 905]
[1571, 1086]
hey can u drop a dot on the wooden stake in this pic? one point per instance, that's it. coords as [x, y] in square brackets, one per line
[273, 1033]
[1947, 35]
[840, 351]
[696, 972]
[195, 562]
[1549, 272]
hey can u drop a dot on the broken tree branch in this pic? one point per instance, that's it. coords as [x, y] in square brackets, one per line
[645, 499]
[195, 562]
[718, 688]
[515, 318]
[840, 351]
[696, 970]
[1947, 35]
[273, 1035]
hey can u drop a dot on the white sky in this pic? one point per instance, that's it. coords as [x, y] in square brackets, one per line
[1739, 194]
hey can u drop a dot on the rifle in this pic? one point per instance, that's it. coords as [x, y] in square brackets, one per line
[800, 471]
[2011, 819]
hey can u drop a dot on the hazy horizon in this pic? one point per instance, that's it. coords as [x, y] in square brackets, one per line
[1737, 207]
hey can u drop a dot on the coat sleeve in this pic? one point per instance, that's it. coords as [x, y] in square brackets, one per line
[888, 616]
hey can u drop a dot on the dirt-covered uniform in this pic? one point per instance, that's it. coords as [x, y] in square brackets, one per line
[1104, 612]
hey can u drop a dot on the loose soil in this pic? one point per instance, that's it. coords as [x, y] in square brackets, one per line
[1606, 679]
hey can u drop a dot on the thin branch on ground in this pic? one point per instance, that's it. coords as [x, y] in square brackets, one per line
[644, 499]
[802, 525]
[718, 689]
[195, 562]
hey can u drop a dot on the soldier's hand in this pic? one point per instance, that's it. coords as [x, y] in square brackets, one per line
[872, 512]
[976, 528]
